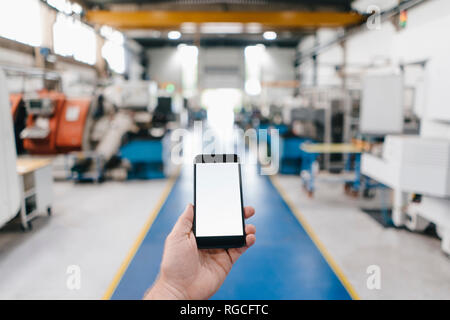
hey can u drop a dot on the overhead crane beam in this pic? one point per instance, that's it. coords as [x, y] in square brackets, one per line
[173, 19]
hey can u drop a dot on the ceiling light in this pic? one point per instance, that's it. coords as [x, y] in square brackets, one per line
[174, 35]
[221, 28]
[253, 28]
[270, 35]
[188, 27]
[143, 33]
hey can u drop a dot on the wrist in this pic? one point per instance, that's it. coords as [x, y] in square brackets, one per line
[163, 290]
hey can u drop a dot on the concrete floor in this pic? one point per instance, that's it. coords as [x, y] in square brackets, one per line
[93, 226]
[412, 265]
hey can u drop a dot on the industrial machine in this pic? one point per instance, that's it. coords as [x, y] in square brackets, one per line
[144, 149]
[116, 134]
[411, 164]
[417, 167]
[126, 140]
[317, 115]
[144, 153]
[382, 95]
[291, 156]
[326, 116]
[105, 140]
[25, 183]
[302, 130]
[9, 179]
[54, 123]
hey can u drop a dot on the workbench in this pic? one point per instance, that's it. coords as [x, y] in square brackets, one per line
[312, 151]
[36, 188]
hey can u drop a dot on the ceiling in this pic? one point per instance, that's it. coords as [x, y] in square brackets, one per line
[150, 37]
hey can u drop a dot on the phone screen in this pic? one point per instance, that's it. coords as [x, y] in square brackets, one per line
[218, 209]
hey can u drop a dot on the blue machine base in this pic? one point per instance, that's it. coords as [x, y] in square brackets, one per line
[146, 158]
[290, 166]
[291, 156]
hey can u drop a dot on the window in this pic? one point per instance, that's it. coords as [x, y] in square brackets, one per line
[66, 6]
[20, 20]
[73, 38]
[61, 5]
[113, 51]
[61, 39]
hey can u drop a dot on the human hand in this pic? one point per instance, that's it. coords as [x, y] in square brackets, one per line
[189, 273]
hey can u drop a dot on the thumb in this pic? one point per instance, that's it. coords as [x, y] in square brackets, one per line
[185, 221]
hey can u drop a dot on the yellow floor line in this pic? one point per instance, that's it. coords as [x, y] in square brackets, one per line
[341, 276]
[137, 243]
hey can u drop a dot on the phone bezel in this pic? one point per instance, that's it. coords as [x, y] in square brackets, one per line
[223, 242]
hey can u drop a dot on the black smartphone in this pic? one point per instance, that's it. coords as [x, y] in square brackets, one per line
[218, 205]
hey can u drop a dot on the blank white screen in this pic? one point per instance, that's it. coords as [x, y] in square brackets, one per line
[218, 200]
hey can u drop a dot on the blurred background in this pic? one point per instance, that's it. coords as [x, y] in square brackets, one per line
[345, 103]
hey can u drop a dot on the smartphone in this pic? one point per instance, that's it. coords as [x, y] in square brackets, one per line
[218, 205]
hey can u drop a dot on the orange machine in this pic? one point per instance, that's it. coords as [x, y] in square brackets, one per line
[55, 124]
[72, 124]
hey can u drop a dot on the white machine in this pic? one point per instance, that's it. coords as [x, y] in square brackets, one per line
[420, 164]
[9, 179]
[382, 104]
[136, 95]
[411, 164]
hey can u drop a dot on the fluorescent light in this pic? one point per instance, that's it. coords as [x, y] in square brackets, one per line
[221, 28]
[270, 35]
[61, 5]
[188, 27]
[253, 28]
[143, 33]
[174, 35]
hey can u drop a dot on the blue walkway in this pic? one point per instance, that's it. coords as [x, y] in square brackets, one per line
[283, 264]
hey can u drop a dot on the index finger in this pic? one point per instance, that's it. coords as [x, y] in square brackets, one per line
[248, 212]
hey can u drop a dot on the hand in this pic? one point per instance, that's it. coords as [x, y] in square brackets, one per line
[190, 273]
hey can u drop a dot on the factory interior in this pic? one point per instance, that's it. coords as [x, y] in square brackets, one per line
[338, 111]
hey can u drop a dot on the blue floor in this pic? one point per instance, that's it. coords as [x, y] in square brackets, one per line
[283, 264]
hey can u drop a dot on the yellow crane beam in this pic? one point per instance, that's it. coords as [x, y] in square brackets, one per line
[173, 19]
